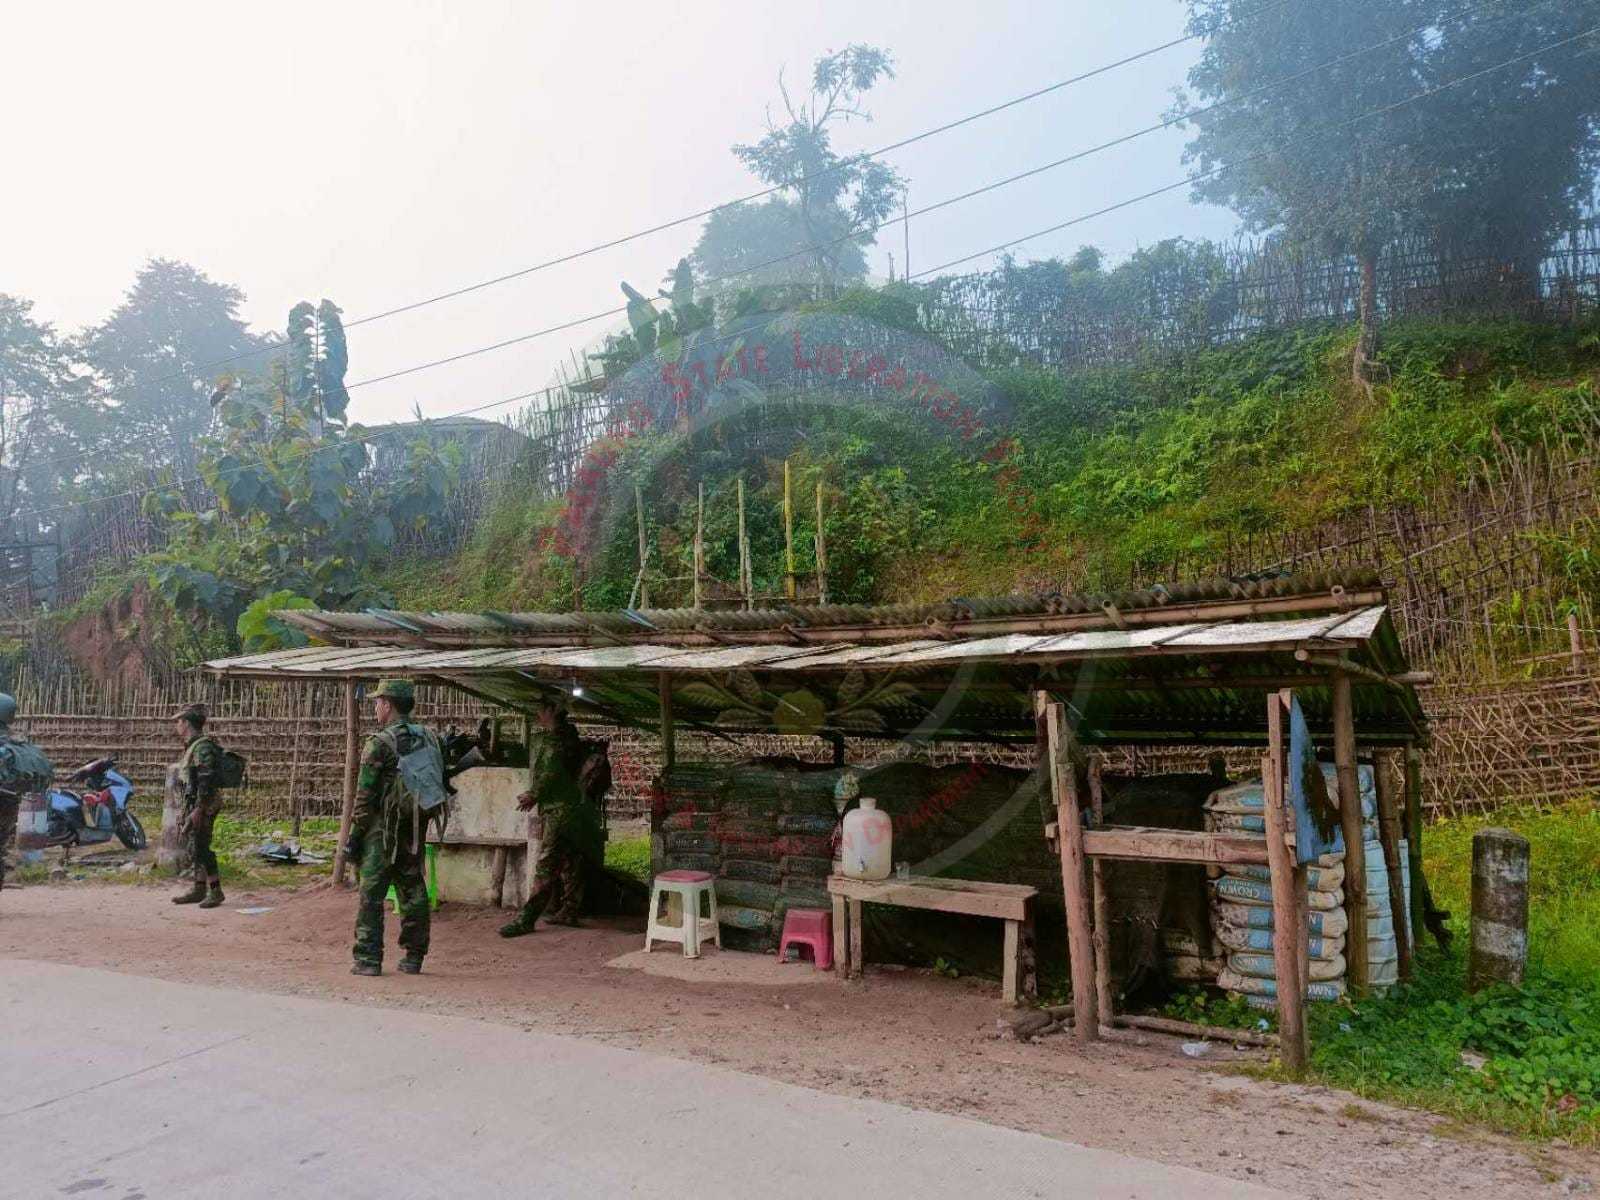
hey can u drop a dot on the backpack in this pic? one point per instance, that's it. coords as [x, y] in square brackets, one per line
[232, 769]
[23, 767]
[420, 772]
[594, 776]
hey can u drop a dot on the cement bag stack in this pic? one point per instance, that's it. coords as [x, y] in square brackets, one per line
[1241, 910]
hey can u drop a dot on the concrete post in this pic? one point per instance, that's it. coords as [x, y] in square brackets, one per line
[172, 848]
[1499, 908]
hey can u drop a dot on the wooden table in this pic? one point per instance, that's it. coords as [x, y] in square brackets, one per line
[1008, 902]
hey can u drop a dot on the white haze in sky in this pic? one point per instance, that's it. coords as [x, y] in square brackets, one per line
[376, 153]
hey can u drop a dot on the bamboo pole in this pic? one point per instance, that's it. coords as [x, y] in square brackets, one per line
[638, 509]
[1389, 839]
[788, 533]
[1067, 792]
[352, 726]
[1355, 858]
[822, 552]
[745, 582]
[294, 778]
[699, 542]
[1575, 640]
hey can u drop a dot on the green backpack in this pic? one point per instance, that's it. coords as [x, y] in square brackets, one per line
[23, 767]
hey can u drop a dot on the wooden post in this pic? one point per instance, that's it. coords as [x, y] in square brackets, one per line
[669, 748]
[1414, 839]
[1499, 908]
[1102, 911]
[644, 549]
[788, 534]
[1575, 639]
[1066, 788]
[822, 552]
[352, 755]
[1289, 936]
[1389, 839]
[294, 778]
[1355, 859]
[699, 542]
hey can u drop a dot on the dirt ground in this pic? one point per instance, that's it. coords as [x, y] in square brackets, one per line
[898, 1036]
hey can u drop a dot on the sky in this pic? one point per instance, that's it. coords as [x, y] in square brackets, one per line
[377, 153]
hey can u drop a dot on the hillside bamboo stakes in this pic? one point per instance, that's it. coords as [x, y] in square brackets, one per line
[746, 585]
[699, 542]
[822, 552]
[789, 588]
[1413, 770]
[641, 589]
[1355, 859]
[1383, 773]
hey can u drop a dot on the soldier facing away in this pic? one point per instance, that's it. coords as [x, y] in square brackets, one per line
[388, 832]
[23, 767]
[198, 772]
[570, 842]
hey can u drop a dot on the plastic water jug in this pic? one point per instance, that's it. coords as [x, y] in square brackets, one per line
[867, 844]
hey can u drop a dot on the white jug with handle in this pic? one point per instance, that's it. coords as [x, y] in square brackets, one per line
[867, 845]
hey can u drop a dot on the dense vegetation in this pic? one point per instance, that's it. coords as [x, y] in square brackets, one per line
[1101, 475]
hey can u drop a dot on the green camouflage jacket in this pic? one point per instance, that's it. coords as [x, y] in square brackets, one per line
[198, 767]
[378, 792]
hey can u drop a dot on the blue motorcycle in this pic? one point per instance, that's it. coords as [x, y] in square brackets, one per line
[96, 812]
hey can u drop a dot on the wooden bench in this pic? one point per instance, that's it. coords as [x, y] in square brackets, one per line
[1008, 902]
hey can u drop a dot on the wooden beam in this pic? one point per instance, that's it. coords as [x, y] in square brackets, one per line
[352, 757]
[1067, 788]
[1289, 943]
[1135, 844]
[1355, 858]
[1389, 839]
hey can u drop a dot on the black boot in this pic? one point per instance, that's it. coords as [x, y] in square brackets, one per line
[366, 968]
[214, 896]
[411, 964]
[194, 895]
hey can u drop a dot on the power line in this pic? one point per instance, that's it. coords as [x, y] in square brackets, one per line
[660, 227]
[1184, 182]
[1239, 162]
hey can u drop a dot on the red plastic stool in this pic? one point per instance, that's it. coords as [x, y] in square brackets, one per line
[809, 927]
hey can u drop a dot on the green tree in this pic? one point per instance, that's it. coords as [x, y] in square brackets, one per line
[1339, 162]
[151, 358]
[828, 203]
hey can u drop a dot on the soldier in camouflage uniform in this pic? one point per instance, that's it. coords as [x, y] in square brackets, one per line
[12, 785]
[570, 841]
[202, 801]
[387, 838]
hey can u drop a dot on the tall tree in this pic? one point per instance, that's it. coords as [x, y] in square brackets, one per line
[45, 422]
[152, 359]
[1347, 160]
[828, 203]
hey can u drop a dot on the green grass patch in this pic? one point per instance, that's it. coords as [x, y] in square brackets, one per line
[630, 856]
[1525, 1060]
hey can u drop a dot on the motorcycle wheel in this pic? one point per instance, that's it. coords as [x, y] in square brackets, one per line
[130, 833]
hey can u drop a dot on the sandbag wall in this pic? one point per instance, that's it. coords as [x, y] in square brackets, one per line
[765, 828]
[1242, 916]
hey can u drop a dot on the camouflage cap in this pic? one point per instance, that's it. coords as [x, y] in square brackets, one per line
[192, 712]
[395, 689]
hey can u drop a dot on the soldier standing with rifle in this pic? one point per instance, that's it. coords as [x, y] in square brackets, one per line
[23, 768]
[198, 771]
[570, 842]
[400, 789]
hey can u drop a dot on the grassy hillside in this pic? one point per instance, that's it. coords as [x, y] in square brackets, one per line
[1091, 475]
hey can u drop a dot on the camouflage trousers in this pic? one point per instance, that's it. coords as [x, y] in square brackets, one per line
[8, 830]
[410, 887]
[201, 856]
[557, 884]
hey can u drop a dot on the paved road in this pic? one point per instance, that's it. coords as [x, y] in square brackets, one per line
[115, 1087]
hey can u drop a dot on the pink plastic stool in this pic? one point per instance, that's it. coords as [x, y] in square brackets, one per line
[809, 927]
